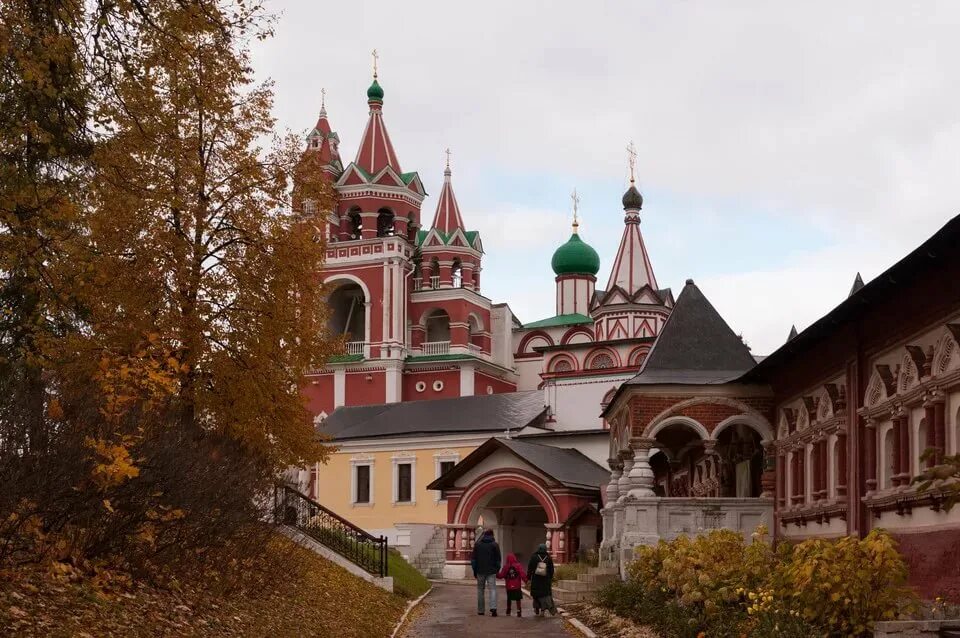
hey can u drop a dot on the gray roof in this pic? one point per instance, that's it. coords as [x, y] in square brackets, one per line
[695, 346]
[566, 466]
[482, 413]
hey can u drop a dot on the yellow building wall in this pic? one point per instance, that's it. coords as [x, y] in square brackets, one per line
[334, 480]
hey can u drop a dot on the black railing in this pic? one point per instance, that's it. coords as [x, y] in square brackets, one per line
[334, 532]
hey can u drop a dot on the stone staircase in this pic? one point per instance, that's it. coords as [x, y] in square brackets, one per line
[585, 586]
[431, 559]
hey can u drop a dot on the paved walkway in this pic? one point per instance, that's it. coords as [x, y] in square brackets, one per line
[450, 611]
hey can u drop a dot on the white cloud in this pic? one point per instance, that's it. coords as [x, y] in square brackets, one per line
[841, 117]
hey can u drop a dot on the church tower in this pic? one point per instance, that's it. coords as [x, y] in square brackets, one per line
[404, 300]
[575, 264]
[632, 306]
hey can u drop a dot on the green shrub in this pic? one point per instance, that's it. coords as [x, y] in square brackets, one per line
[569, 571]
[720, 585]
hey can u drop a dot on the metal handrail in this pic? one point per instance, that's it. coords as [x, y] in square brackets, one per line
[297, 510]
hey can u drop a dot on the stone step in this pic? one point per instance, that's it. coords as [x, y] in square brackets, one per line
[575, 585]
[598, 579]
[614, 571]
[564, 597]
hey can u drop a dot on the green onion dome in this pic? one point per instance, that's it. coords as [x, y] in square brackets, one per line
[375, 92]
[575, 257]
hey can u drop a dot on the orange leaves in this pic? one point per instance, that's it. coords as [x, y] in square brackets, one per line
[113, 465]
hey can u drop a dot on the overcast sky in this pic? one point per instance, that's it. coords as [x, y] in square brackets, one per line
[782, 147]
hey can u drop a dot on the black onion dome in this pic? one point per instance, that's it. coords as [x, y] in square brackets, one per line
[632, 199]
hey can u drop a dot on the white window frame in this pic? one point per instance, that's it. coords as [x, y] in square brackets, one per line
[404, 458]
[354, 464]
[438, 458]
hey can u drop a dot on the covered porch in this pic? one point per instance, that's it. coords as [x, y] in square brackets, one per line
[528, 494]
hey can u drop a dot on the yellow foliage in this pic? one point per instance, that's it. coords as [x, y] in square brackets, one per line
[113, 465]
[841, 586]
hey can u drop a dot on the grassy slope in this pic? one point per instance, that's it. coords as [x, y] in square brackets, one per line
[407, 581]
[293, 592]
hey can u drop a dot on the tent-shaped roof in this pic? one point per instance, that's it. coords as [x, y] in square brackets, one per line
[566, 466]
[695, 346]
[483, 413]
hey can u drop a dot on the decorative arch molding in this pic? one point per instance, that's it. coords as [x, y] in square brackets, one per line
[946, 357]
[522, 348]
[803, 418]
[478, 319]
[760, 426]
[909, 376]
[693, 424]
[746, 411]
[563, 358]
[824, 404]
[636, 354]
[332, 279]
[431, 310]
[498, 480]
[783, 430]
[876, 390]
[593, 355]
[574, 331]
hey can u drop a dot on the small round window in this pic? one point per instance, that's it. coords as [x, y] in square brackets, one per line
[437, 385]
[421, 386]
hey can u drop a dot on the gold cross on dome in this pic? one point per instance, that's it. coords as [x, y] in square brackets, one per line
[576, 206]
[376, 56]
[632, 159]
[448, 157]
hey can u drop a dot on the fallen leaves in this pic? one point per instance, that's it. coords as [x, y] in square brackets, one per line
[287, 591]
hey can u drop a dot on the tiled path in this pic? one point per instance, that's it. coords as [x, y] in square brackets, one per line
[450, 611]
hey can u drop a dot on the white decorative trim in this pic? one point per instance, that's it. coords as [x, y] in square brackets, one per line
[404, 458]
[355, 462]
[438, 386]
[438, 458]
[420, 386]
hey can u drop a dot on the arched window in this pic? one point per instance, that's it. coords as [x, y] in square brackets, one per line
[356, 223]
[348, 313]
[562, 365]
[434, 273]
[385, 223]
[601, 361]
[438, 326]
[889, 460]
[456, 273]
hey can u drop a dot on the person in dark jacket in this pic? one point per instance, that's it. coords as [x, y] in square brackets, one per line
[485, 562]
[541, 581]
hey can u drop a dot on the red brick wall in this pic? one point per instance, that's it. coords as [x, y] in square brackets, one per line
[934, 562]
[644, 408]
[318, 391]
[499, 385]
[360, 391]
[451, 385]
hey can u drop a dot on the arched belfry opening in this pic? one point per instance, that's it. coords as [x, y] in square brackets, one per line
[385, 223]
[438, 326]
[348, 315]
[456, 273]
[354, 223]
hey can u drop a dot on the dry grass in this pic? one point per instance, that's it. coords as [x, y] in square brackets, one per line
[289, 592]
[606, 624]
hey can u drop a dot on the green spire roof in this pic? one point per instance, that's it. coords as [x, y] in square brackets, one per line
[575, 257]
[375, 92]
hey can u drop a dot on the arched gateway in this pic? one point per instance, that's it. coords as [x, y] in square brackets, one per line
[528, 494]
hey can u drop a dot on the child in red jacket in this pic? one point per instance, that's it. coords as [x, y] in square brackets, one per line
[513, 576]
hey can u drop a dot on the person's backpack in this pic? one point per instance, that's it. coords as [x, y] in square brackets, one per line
[541, 567]
[512, 573]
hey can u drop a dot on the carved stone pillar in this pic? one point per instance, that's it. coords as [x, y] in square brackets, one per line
[641, 474]
[768, 479]
[897, 456]
[623, 483]
[870, 440]
[931, 440]
[613, 487]
[940, 428]
[841, 469]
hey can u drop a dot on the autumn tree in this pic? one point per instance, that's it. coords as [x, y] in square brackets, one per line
[196, 243]
[45, 147]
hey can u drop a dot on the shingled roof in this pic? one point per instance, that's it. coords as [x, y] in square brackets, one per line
[483, 413]
[695, 346]
[566, 466]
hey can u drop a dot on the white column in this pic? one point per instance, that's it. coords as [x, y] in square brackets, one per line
[466, 381]
[641, 474]
[393, 377]
[339, 387]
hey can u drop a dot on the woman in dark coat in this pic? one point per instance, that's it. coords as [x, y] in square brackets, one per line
[541, 585]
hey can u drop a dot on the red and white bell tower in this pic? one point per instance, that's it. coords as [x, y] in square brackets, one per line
[405, 300]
